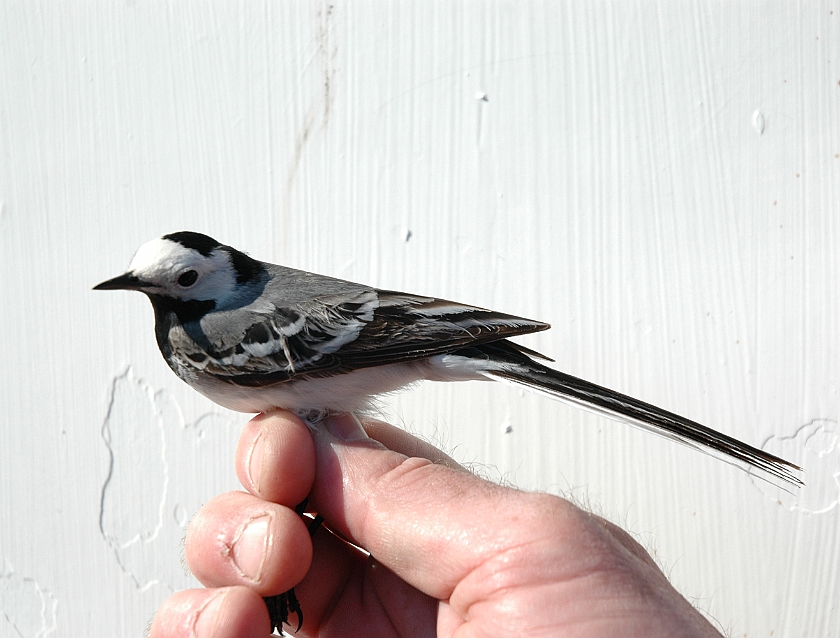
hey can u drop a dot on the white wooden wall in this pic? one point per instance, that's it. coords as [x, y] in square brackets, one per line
[660, 181]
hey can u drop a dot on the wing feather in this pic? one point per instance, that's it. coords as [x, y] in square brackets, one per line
[332, 334]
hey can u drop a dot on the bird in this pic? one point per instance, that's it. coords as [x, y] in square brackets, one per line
[254, 336]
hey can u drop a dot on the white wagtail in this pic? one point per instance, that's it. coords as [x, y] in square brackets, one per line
[254, 336]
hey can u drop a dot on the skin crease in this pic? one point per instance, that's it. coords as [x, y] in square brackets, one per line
[456, 556]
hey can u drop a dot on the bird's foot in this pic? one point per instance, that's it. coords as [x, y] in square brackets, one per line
[281, 606]
[313, 416]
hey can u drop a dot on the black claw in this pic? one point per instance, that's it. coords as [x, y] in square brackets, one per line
[279, 609]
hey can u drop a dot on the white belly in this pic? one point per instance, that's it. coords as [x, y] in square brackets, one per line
[340, 393]
[348, 392]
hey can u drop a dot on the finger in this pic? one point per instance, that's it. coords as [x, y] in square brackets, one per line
[275, 458]
[339, 573]
[231, 612]
[239, 539]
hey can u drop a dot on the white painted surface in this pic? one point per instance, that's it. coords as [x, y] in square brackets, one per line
[661, 182]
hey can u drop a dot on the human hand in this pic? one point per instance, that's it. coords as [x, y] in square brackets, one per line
[451, 554]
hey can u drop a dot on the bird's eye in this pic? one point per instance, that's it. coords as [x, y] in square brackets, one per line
[188, 278]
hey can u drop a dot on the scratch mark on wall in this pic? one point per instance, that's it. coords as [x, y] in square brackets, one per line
[481, 99]
[816, 448]
[26, 609]
[326, 51]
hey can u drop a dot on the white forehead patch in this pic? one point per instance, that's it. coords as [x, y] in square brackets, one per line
[160, 259]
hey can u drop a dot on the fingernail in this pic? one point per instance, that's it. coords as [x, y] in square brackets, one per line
[207, 616]
[345, 427]
[248, 548]
[255, 459]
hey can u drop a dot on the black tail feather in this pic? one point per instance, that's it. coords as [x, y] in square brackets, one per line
[525, 371]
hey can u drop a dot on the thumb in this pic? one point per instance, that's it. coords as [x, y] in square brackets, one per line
[428, 522]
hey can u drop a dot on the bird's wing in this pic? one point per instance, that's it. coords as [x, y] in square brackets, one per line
[408, 327]
[330, 334]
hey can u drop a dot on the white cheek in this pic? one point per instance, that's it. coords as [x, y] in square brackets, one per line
[217, 283]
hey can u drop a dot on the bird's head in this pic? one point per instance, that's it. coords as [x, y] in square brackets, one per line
[187, 266]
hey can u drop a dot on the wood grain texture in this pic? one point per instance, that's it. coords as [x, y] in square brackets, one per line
[660, 182]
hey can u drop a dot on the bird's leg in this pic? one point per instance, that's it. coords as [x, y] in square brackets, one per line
[282, 605]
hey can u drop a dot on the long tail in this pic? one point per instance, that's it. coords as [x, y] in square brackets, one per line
[518, 367]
